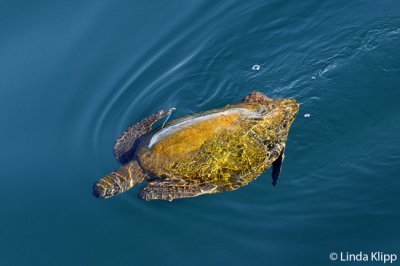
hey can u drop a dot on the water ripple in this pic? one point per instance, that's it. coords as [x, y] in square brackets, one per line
[216, 69]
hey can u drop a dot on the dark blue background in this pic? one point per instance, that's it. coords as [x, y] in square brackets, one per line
[74, 74]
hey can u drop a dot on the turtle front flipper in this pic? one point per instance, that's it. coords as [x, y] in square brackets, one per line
[277, 167]
[174, 189]
[124, 145]
[119, 181]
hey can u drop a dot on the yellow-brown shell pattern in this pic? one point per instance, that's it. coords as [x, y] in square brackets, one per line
[228, 151]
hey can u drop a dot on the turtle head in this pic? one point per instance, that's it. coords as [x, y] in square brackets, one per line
[257, 97]
[288, 107]
[281, 111]
[278, 115]
[283, 108]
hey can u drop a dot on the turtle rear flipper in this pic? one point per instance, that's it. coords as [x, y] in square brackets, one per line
[124, 145]
[174, 189]
[119, 181]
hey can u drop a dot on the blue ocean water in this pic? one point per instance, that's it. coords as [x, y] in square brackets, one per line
[75, 74]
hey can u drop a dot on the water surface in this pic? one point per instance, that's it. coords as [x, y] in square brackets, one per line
[75, 74]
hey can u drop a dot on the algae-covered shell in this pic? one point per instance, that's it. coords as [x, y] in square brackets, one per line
[210, 152]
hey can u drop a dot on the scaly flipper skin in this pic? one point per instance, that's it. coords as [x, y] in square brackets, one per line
[124, 145]
[277, 167]
[174, 189]
[119, 181]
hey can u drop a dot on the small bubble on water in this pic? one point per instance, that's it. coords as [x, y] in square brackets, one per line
[307, 115]
[313, 77]
[256, 67]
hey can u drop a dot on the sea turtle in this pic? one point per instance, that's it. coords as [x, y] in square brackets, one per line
[206, 153]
